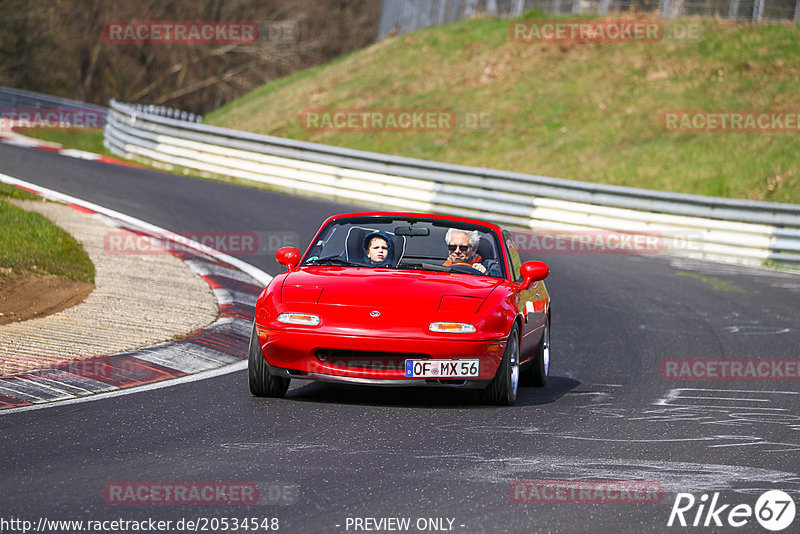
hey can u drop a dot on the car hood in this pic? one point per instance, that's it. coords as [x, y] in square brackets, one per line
[387, 288]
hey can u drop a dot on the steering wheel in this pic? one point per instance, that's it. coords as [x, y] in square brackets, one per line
[463, 266]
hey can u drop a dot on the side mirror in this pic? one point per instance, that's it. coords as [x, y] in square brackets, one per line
[533, 271]
[289, 257]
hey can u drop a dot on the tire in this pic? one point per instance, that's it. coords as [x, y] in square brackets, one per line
[262, 383]
[536, 374]
[502, 390]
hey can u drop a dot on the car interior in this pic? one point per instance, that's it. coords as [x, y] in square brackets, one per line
[413, 241]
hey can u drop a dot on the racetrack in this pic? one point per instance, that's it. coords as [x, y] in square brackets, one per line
[344, 452]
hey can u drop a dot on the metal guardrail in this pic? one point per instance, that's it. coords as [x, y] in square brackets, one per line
[20, 99]
[743, 231]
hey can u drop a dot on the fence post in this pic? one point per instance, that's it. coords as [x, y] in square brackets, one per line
[556, 7]
[576, 7]
[758, 11]
[470, 8]
[664, 8]
[518, 6]
[440, 16]
[604, 8]
[797, 11]
[733, 12]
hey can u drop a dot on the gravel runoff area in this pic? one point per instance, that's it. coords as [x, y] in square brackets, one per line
[139, 300]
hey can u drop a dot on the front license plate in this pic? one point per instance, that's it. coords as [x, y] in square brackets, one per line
[442, 368]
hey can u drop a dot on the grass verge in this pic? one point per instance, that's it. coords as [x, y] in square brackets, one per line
[30, 243]
[78, 138]
[583, 111]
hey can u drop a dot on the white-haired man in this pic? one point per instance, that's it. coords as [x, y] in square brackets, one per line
[463, 246]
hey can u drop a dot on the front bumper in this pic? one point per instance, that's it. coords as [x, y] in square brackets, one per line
[372, 359]
[464, 383]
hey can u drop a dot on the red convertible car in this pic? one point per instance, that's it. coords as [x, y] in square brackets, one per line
[404, 299]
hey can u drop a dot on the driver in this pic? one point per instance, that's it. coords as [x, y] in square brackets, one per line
[463, 246]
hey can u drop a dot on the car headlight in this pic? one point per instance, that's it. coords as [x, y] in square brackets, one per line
[452, 328]
[299, 318]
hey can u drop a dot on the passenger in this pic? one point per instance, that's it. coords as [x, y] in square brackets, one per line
[378, 249]
[463, 246]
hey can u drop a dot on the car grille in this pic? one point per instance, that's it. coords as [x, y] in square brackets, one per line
[356, 359]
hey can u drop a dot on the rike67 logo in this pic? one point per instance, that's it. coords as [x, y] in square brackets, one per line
[774, 510]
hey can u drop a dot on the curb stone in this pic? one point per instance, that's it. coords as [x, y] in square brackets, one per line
[219, 344]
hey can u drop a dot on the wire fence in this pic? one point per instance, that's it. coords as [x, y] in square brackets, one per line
[401, 16]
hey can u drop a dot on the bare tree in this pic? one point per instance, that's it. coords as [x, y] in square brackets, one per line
[59, 47]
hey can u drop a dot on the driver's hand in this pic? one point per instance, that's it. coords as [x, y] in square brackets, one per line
[479, 267]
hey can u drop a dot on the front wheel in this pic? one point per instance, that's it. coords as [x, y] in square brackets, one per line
[536, 374]
[262, 383]
[502, 390]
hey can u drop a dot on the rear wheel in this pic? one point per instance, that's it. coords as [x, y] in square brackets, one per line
[262, 383]
[502, 390]
[536, 374]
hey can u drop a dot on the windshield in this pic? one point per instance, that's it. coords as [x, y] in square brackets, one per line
[421, 244]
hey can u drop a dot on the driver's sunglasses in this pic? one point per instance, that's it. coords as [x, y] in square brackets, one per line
[459, 248]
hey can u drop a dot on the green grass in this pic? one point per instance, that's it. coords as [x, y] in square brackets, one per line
[30, 243]
[578, 111]
[81, 139]
[10, 191]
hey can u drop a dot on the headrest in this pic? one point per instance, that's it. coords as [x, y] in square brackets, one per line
[486, 250]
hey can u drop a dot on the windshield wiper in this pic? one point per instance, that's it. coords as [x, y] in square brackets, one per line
[333, 261]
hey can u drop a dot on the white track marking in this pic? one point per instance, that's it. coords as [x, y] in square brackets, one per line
[233, 368]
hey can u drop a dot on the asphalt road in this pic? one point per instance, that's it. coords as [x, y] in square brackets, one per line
[327, 454]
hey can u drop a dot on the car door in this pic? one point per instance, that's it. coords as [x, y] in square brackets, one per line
[530, 302]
